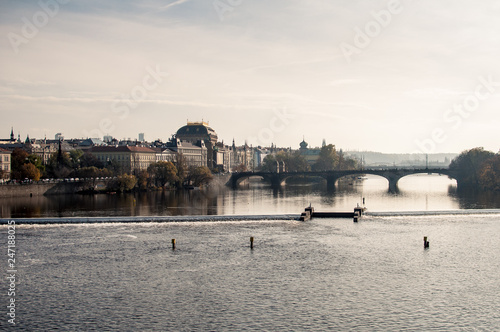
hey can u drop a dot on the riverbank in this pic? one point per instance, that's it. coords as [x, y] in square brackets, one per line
[75, 187]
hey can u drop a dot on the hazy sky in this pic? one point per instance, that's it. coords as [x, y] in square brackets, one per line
[391, 76]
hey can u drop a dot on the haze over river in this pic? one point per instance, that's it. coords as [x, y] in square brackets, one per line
[324, 274]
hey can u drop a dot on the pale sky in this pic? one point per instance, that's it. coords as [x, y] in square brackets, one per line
[389, 76]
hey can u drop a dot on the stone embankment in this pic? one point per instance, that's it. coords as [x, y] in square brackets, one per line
[40, 188]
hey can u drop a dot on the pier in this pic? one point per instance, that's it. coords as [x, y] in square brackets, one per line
[309, 214]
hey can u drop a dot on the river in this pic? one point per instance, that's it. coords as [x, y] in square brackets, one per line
[325, 274]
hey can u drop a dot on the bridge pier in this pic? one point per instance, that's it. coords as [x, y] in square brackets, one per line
[393, 182]
[276, 181]
[392, 176]
[393, 186]
[330, 183]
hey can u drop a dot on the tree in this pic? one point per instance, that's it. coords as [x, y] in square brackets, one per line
[75, 156]
[88, 160]
[199, 176]
[143, 180]
[328, 159]
[489, 177]
[468, 166]
[29, 171]
[269, 164]
[295, 162]
[21, 158]
[123, 183]
[163, 172]
[182, 168]
[240, 168]
[91, 175]
[59, 165]
[18, 158]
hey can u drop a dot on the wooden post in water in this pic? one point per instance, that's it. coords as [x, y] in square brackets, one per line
[173, 244]
[251, 242]
[356, 216]
[426, 243]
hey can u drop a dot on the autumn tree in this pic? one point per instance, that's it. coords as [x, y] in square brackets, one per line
[199, 176]
[29, 171]
[489, 176]
[122, 183]
[21, 158]
[469, 165]
[182, 168]
[143, 180]
[163, 172]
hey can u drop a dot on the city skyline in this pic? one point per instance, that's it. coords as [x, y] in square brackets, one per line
[389, 76]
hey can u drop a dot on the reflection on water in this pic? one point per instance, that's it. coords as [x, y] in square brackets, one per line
[416, 193]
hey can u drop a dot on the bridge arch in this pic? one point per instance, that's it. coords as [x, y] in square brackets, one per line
[392, 175]
[240, 179]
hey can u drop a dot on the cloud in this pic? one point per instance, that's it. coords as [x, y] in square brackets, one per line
[175, 3]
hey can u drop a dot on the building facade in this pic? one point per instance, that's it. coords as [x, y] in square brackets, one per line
[194, 153]
[130, 158]
[310, 155]
[194, 132]
[5, 163]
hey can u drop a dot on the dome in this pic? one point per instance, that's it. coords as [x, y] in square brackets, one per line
[195, 131]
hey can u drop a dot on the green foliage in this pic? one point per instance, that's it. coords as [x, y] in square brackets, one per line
[294, 162]
[328, 159]
[59, 165]
[75, 156]
[269, 164]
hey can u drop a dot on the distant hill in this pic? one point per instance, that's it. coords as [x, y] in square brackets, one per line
[371, 158]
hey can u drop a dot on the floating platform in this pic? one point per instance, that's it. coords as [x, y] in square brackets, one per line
[333, 215]
[309, 214]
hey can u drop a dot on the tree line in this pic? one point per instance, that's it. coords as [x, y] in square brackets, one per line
[77, 164]
[329, 159]
[477, 169]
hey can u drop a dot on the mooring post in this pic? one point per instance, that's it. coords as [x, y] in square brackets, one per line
[426, 243]
[251, 242]
[356, 216]
[173, 244]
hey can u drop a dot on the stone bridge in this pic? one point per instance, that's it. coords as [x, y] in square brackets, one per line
[392, 175]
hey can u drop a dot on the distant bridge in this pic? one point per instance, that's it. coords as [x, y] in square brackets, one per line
[392, 175]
